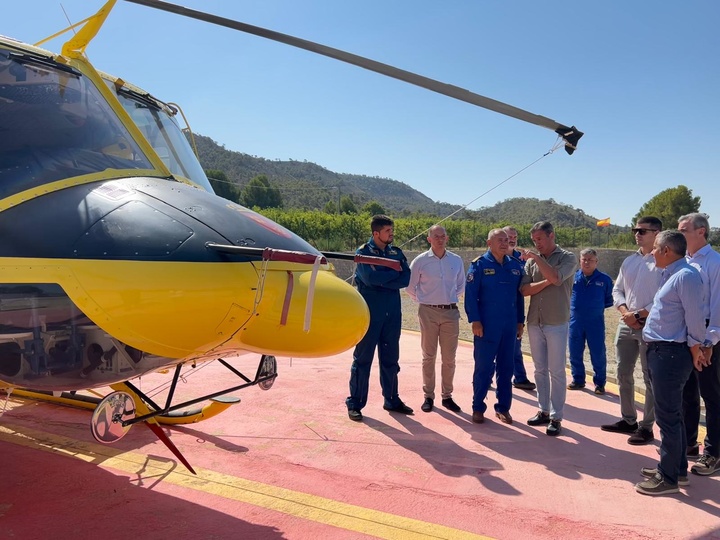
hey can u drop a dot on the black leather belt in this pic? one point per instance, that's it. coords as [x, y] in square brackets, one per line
[442, 306]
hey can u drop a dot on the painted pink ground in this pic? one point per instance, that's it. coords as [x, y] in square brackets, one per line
[492, 479]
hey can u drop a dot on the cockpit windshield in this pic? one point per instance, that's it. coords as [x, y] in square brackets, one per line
[55, 125]
[157, 122]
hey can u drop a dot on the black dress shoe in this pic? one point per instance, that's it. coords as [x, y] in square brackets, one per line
[449, 404]
[554, 428]
[355, 415]
[641, 436]
[620, 427]
[399, 408]
[427, 405]
[524, 385]
[540, 419]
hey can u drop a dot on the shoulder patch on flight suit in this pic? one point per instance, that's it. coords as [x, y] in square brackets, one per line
[470, 277]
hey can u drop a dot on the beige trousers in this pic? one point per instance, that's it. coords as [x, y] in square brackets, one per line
[438, 326]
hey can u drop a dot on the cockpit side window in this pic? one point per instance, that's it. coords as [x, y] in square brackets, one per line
[161, 130]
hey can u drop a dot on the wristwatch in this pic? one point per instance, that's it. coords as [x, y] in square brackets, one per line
[636, 314]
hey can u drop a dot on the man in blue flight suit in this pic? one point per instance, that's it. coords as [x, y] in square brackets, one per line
[520, 379]
[496, 310]
[380, 287]
[591, 295]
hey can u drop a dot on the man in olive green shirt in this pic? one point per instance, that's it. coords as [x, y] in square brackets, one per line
[548, 281]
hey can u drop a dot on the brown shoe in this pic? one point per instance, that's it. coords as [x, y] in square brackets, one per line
[478, 417]
[504, 417]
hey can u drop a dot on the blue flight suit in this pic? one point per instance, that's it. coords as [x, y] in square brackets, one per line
[492, 296]
[591, 295]
[380, 287]
[519, 372]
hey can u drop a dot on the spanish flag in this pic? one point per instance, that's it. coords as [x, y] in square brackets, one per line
[603, 222]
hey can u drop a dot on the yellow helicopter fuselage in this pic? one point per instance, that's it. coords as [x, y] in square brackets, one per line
[116, 256]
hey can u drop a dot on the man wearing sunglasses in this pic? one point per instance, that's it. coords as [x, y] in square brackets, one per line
[633, 294]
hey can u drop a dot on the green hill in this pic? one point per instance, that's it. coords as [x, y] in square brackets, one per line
[308, 186]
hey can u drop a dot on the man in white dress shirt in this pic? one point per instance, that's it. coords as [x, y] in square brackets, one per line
[633, 295]
[437, 278]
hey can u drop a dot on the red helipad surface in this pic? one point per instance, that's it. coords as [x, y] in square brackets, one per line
[288, 464]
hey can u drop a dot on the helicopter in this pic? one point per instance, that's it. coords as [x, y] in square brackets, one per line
[119, 260]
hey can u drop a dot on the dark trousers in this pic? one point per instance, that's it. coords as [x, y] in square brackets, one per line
[520, 374]
[383, 333]
[493, 354]
[705, 384]
[670, 365]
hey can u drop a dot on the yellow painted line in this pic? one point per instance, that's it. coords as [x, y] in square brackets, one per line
[286, 501]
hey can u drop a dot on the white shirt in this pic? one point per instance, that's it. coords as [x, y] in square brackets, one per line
[436, 281]
[707, 261]
[637, 282]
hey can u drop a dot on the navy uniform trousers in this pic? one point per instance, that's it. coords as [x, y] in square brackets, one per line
[384, 332]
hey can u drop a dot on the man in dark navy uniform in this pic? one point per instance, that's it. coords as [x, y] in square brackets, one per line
[380, 286]
[496, 310]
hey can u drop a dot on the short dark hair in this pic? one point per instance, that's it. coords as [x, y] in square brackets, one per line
[544, 226]
[698, 220]
[651, 220]
[379, 222]
[674, 240]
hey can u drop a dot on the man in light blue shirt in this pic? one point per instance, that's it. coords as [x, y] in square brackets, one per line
[673, 332]
[705, 383]
[437, 277]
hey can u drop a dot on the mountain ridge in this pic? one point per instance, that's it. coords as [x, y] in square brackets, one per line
[309, 186]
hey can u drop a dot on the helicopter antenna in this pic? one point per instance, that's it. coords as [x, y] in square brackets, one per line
[571, 135]
[67, 18]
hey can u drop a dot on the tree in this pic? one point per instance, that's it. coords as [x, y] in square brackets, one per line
[330, 207]
[260, 193]
[347, 206]
[222, 186]
[373, 208]
[669, 205]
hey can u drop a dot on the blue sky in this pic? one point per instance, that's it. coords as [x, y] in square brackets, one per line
[641, 79]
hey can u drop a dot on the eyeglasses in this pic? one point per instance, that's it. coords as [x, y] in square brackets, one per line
[643, 232]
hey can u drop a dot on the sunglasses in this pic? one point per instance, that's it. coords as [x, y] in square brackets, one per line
[643, 232]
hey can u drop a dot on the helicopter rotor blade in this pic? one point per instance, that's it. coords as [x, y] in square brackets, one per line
[571, 135]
